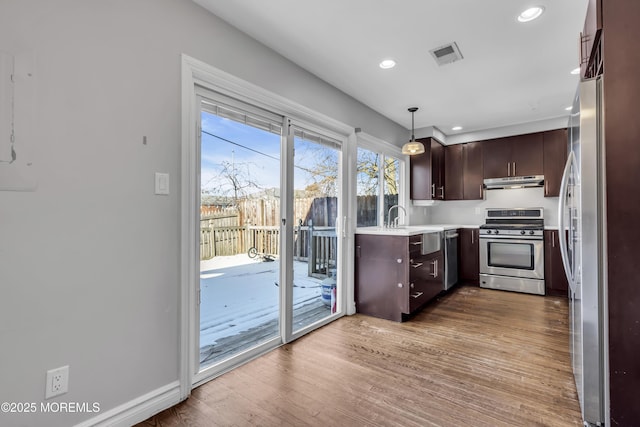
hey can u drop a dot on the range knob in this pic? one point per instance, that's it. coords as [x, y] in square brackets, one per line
[531, 232]
[522, 232]
[488, 231]
[496, 231]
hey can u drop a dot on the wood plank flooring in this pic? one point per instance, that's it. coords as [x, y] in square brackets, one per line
[474, 357]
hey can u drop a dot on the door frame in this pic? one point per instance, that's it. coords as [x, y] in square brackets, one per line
[196, 73]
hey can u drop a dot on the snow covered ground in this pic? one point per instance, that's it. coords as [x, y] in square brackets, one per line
[238, 293]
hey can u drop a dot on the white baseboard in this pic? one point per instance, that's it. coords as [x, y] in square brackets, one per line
[138, 409]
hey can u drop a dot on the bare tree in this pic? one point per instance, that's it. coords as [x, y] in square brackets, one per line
[232, 182]
[368, 169]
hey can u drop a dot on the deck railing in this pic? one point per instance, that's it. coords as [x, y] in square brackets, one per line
[316, 245]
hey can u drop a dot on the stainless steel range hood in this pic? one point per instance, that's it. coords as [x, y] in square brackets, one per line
[514, 182]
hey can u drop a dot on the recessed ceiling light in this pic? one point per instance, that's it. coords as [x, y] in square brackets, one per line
[456, 128]
[575, 71]
[569, 108]
[387, 63]
[531, 14]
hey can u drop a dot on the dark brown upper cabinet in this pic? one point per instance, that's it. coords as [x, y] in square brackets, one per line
[472, 161]
[463, 171]
[427, 172]
[420, 183]
[555, 156]
[513, 156]
[438, 173]
[454, 172]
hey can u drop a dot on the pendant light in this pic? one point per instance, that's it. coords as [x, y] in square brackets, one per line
[412, 147]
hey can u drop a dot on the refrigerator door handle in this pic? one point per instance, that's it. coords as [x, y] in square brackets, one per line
[561, 225]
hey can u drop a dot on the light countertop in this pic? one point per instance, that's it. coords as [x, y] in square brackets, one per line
[410, 230]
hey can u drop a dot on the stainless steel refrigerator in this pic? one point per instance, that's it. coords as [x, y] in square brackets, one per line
[582, 216]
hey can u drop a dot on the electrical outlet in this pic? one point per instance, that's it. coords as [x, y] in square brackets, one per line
[57, 382]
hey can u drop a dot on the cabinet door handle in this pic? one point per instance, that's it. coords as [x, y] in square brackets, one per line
[411, 285]
[399, 260]
[480, 190]
[416, 243]
[553, 239]
[416, 265]
[514, 169]
[442, 192]
[508, 168]
[433, 190]
[434, 266]
[546, 187]
[472, 233]
[417, 295]
[399, 285]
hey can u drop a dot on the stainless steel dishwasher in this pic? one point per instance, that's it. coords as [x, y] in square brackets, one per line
[450, 258]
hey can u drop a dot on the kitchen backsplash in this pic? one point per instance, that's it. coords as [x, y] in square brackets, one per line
[471, 212]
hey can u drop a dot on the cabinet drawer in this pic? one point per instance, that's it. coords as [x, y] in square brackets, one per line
[415, 245]
[425, 279]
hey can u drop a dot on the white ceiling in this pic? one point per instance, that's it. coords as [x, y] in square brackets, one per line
[512, 72]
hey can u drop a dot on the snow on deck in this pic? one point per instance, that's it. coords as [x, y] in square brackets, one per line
[239, 293]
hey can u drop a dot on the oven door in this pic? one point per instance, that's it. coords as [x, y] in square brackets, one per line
[512, 256]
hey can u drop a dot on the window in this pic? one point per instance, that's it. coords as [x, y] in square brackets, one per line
[379, 183]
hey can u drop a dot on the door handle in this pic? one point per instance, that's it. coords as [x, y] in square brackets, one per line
[561, 226]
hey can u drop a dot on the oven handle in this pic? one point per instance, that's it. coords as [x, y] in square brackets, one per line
[515, 238]
[564, 253]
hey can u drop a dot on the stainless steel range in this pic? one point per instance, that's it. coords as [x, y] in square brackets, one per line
[512, 250]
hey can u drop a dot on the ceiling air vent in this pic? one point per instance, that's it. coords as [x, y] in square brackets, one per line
[446, 54]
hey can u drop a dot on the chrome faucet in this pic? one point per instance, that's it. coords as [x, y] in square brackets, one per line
[395, 221]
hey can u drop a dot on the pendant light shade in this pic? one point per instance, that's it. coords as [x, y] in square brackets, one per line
[413, 147]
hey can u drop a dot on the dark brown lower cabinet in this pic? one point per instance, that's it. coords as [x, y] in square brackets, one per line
[392, 277]
[555, 279]
[469, 256]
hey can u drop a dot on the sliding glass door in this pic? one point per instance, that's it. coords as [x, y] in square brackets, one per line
[269, 233]
[317, 212]
[239, 230]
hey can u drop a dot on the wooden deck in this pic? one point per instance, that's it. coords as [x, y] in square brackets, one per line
[475, 357]
[226, 347]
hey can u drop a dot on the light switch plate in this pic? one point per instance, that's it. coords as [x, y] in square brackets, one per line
[162, 183]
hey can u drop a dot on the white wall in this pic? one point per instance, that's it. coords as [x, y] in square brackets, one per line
[89, 262]
[471, 212]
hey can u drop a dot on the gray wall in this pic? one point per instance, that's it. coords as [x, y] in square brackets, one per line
[89, 262]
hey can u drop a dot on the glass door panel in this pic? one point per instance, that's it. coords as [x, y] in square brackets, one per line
[316, 191]
[239, 232]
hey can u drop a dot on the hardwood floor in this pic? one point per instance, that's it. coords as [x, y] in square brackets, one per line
[475, 357]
